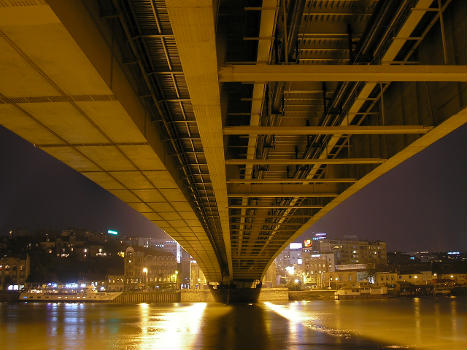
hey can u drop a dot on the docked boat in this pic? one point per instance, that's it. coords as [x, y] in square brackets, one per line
[87, 294]
[361, 292]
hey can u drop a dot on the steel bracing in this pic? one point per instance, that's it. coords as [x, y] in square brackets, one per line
[234, 125]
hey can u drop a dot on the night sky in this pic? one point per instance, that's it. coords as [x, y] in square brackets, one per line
[419, 205]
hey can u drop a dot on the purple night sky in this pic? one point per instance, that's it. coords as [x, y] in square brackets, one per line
[419, 205]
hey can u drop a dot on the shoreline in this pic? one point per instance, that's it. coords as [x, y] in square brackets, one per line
[204, 295]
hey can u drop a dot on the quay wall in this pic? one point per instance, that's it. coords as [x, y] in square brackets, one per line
[311, 294]
[196, 295]
[202, 295]
[147, 297]
[192, 296]
[274, 294]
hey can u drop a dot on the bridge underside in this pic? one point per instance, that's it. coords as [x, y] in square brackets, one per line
[233, 125]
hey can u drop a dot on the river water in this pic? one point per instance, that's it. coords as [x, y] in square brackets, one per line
[423, 323]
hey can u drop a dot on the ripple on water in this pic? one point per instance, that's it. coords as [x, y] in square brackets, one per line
[330, 331]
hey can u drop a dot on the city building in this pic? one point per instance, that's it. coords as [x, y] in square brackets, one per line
[313, 266]
[149, 268]
[290, 256]
[386, 278]
[13, 272]
[343, 279]
[270, 277]
[197, 278]
[354, 251]
[421, 278]
[115, 283]
[457, 278]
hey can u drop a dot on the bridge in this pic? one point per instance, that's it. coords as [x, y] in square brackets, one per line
[232, 125]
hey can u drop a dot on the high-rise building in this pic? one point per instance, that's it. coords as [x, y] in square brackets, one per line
[355, 251]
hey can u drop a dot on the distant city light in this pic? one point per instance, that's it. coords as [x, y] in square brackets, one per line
[319, 236]
[295, 246]
[299, 261]
[290, 270]
[112, 232]
[307, 243]
[453, 253]
[412, 258]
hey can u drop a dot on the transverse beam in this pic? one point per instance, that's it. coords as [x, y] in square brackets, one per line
[327, 130]
[305, 161]
[315, 72]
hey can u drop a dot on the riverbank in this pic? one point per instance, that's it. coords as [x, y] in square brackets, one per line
[205, 295]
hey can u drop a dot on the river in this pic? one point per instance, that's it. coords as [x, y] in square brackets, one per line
[422, 323]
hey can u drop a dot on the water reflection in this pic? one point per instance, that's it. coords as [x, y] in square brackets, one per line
[417, 319]
[453, 316]
[175, 329]
[428, 323]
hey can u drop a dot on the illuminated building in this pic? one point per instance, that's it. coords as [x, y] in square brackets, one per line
[13, 271]
[314, 266]
[270, 277]
[197, 278]
[386, 278]
[457, 278]
[115, 283]
[344, 279]
[420, 278]
[354, 252]
[149, 268]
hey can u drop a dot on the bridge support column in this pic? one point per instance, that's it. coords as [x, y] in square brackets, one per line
[237, 291]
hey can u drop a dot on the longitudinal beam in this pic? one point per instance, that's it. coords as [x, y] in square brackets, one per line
[283, 194]
[274, 207]
[193, 25]
[314, 72]
[290, 181]
[327, 130]
[304, 161]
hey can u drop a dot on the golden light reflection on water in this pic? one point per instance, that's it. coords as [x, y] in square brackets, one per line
[290, 312]
[453, 316]
[417, 319]
[297, 317]
[384, 321]
[426, 323]
[175, 329]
